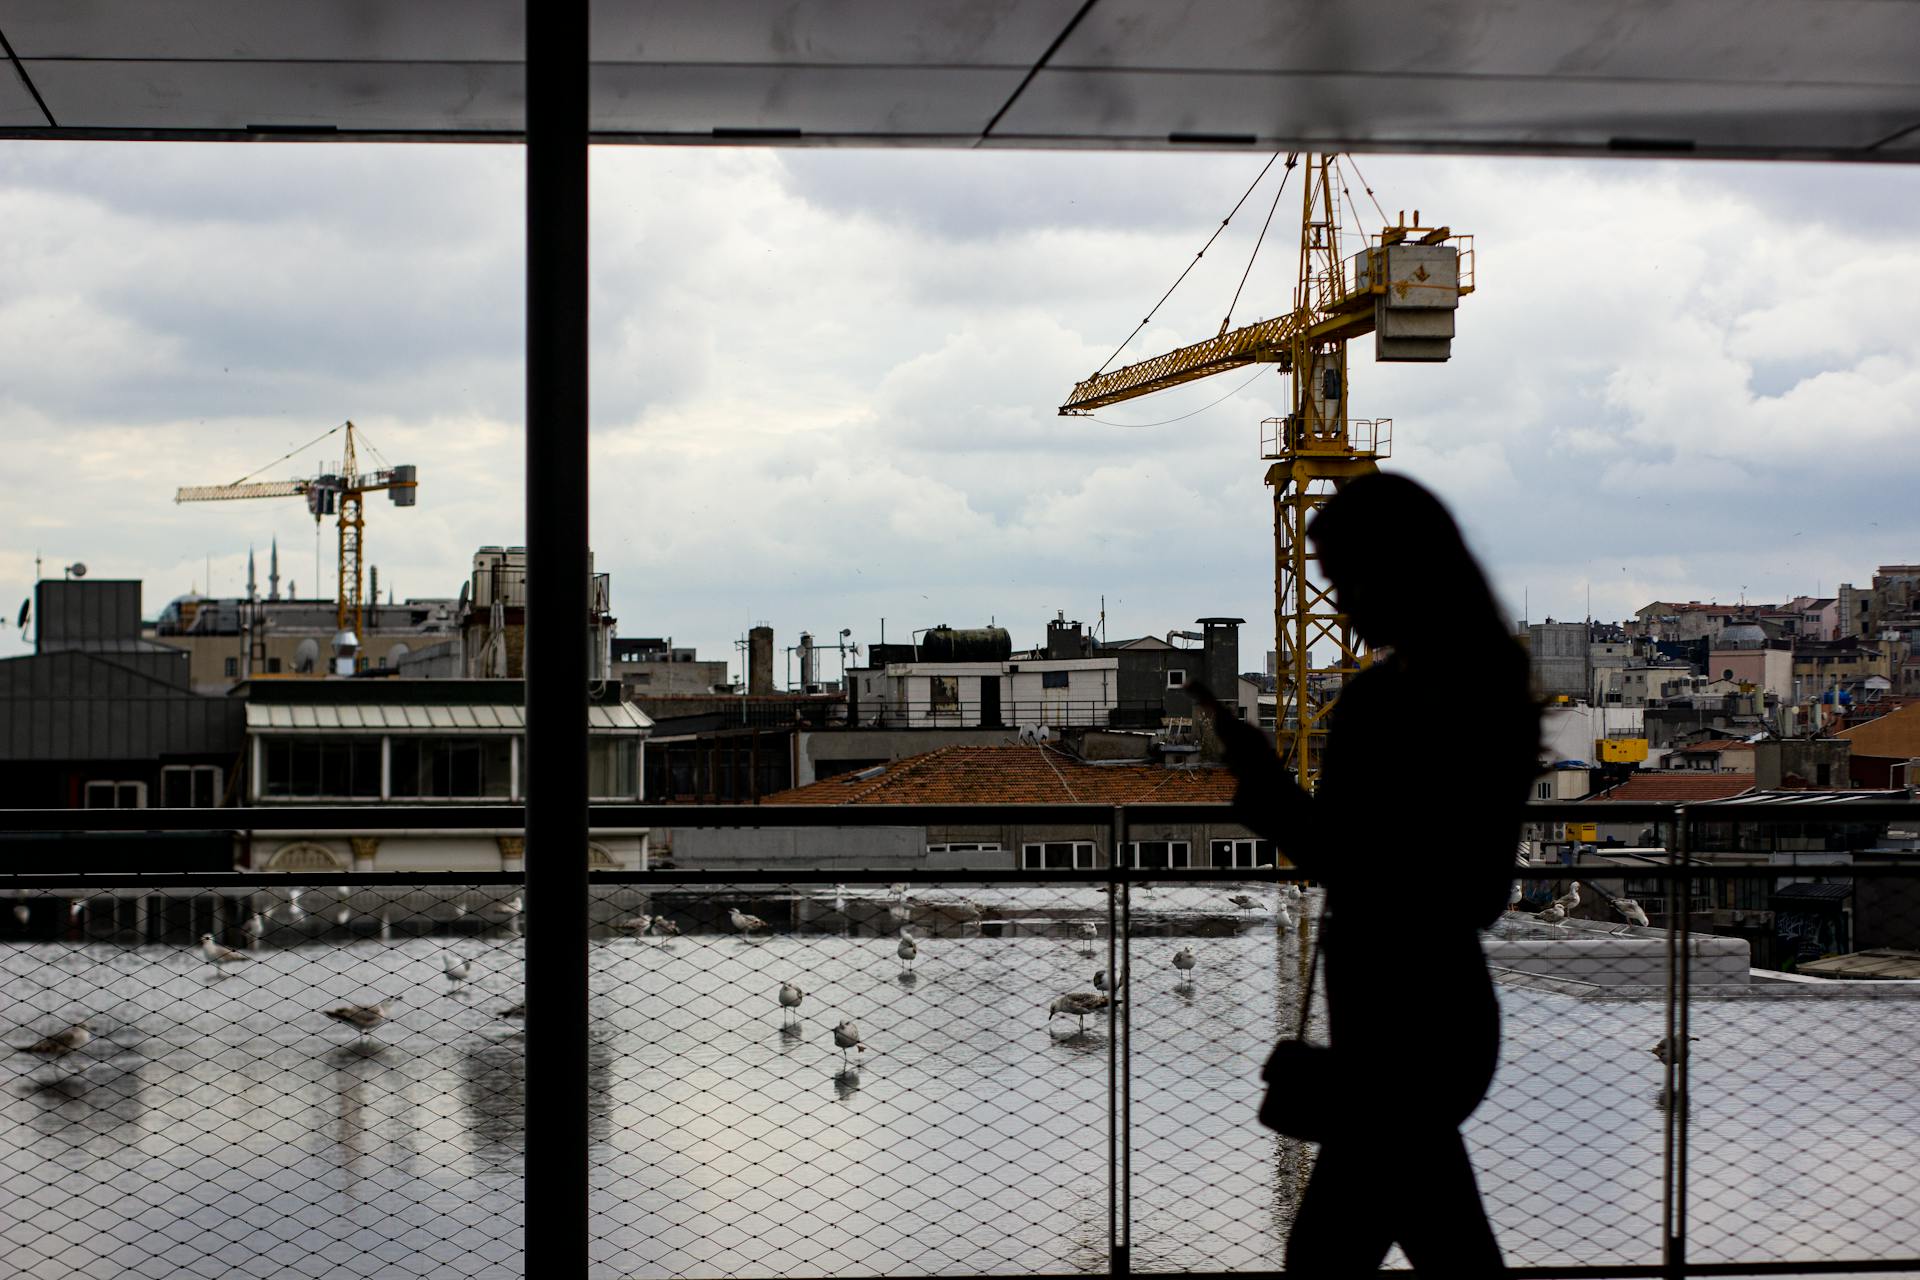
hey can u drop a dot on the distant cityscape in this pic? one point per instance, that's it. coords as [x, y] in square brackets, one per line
[263, 699]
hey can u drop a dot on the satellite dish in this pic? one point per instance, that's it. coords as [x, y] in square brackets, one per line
[465, 588]
[26, 610]
[77, 569]
[306, 656]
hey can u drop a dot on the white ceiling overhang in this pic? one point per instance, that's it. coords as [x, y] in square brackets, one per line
[1815, 79]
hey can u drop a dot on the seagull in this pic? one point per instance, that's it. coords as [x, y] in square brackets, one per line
[515, 1010]
[1183, 961]
[665, 927]
[790, 998]
[1100, 980]
[294, 912]
[1282, 918]
[1076, 1004]
[361, 1017]
[744, 922]
[1291, 891]
[1244, 901]
[458, 970]
[1552, 913]
[61, 1043]
[510, 908]
[218, 954]
[847, 1036]
[1091, 932]
[22, 912]
[908, 950]
[256, 926]
[1570, 899]
[1663, 1048]
[636, 924]
[343, 916]
[1631, 912]
[459, 910]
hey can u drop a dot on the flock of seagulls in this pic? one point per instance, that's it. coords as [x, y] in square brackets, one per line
[1557, 911]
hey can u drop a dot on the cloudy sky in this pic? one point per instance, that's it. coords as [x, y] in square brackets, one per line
[825, 382]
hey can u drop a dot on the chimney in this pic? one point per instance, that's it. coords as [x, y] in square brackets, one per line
[760, 659]
[1220, 642]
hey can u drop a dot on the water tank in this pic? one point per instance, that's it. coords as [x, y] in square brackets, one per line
[408, 476]
[966, 644]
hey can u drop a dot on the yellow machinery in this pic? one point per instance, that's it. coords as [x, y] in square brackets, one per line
[1403, 287]
[331, 493]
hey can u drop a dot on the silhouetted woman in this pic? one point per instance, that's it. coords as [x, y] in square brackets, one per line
[1429, 758]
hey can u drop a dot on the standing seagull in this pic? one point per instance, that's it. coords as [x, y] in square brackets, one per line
[218, 954]
[635, 924]
[665, 927]
[510, 908]
[61, 1043]
[1282, 918]
[1244, 901]
[1663, 1049]
[1570, 899]
[790, 998]
[1091, 933]
[1631, 912]
[1077, 1004]
[847, 1036]
[745, 923]
[908, 950]
[1100, 980]
[1553, 913]
[361, 1017]
[1183, 961]
[458, 970]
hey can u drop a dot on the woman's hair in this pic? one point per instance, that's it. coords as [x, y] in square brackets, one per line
[1393, 534]
[1389, 537]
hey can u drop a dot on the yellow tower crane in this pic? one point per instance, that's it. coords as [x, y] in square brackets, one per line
[332, 493]
[1403, 287]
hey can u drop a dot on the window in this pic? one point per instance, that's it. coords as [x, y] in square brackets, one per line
[1058, 855]
[233, 667]
[273, 666]
[944, 694]
[114, 795]
[452, 768]
[1176, 677]
[1158, 855]
[613, 768]
[964, 847]
[1244, 854]
[1055, 679]
[190, 786]
[1543, 791]
[347, 768]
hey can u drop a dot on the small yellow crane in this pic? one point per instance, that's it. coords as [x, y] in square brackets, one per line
[1403, 287]
[332, 493]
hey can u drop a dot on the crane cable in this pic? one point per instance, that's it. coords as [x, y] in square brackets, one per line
[1364, 187]
[1258, 241]
[283, 457]
[1292, 158]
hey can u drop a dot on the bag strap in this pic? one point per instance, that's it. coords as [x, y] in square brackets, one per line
[1313, 967]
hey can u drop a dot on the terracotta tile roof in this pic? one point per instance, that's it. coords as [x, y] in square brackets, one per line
[1015, 774]
[1896, 734]
[1687, 786]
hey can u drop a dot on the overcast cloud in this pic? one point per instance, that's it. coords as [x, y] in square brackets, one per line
[824, 382]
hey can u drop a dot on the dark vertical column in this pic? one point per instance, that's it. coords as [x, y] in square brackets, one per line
[556, 651]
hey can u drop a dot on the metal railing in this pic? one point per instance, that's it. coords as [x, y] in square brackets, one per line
[217, 1119]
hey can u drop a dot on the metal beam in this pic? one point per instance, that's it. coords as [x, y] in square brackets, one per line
[555, 1239]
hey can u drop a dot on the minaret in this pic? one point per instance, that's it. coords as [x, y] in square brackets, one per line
[273, 570]
[253, 592]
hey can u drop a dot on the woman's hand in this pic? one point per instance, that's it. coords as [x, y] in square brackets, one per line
[1247, 751]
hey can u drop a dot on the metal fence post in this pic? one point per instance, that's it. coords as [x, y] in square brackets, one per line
[1673, 1201]
[554, 1241]
[1119, 1084]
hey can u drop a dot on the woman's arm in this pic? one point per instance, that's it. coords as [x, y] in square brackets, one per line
[1268, 800]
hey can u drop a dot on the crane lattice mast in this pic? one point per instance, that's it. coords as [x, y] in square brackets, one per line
[1403, 287]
